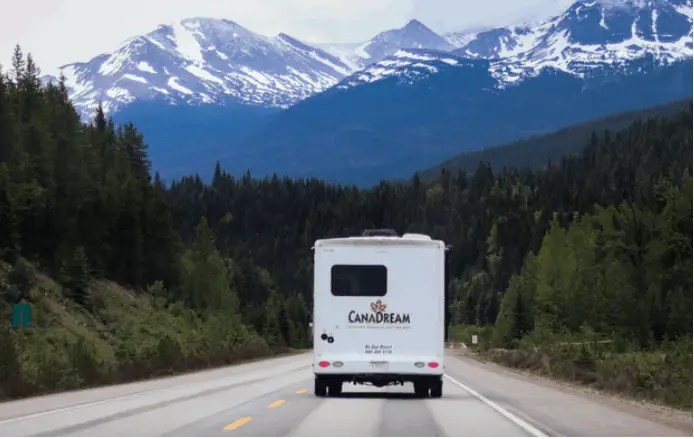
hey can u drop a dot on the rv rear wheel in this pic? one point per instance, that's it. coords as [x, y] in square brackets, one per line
[421, 390]
[437, 389]
[320, 386]
[335, 388]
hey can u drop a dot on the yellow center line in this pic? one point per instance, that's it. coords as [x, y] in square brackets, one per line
[277, 403]
[236, 424]
[302, 391]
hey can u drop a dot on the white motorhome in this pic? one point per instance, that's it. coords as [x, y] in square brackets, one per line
[379, 312]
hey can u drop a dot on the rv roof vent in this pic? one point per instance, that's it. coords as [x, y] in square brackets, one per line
[416, 236]
[379, 232]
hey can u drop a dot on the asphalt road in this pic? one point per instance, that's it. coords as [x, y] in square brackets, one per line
[275, 398]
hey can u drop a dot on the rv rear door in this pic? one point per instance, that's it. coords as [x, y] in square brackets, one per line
[377, 301]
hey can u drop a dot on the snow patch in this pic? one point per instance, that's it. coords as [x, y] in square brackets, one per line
[460, 39]
[156, 43]
[453, 62]
[203, 74]
[120, 94]
[146, 67]
[187, 44]
[257, 76]
[115, 62]
[432, 69]
[361, 50]
[172, 83]
[134, 78]
[330, 64]
[161, 90]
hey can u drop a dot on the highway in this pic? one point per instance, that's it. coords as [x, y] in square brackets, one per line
[275, 398]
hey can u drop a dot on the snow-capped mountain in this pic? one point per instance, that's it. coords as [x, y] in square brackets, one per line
[202, 60]
[588, 37]
[414, 35]
[460, 39]
[407, 65]
[593, 34]
[423, 105]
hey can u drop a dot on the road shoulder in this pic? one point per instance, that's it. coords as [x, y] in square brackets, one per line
[54, 402]
[677, 419]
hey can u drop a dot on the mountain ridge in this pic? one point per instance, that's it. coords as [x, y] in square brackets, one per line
[361, 134]
[389, 105]
[202, 60]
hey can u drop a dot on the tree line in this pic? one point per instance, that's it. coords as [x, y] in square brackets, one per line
[601, 239]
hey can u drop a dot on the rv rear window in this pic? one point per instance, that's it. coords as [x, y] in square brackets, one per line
[359, 280]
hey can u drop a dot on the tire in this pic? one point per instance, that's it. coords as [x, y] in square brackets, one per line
[421, 390]
[335, 388]
[320, 387]
[437, 389]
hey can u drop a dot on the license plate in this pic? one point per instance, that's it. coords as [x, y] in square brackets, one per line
[380, 365]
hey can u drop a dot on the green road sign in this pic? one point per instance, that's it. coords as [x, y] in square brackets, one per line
[21, 315]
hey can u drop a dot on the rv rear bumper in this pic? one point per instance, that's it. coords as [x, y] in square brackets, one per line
[370, 377]
[381, 379]
[430, 366]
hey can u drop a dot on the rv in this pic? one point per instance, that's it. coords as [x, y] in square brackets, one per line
[379, 312]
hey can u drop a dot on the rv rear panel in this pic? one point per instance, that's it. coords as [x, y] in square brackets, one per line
[379, 310]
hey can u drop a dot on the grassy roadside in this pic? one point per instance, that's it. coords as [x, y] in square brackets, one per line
[120, 337]
[662, 374]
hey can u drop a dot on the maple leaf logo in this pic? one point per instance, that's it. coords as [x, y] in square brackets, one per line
[378, 306]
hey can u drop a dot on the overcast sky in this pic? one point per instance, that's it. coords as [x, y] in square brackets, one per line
[58, 32]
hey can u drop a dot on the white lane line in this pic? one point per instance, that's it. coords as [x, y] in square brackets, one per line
[502, 411]
[78, 406]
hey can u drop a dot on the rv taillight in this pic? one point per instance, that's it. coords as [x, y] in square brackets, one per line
[324, 364]
[419, 364]
[338, 363]
[433, 364]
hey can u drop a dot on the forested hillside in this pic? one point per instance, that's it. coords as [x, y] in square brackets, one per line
[126, 297]
[598, 244]
[537, 151]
